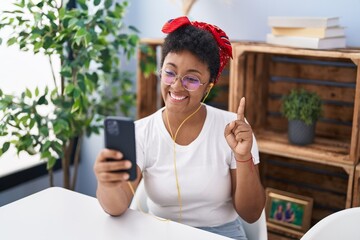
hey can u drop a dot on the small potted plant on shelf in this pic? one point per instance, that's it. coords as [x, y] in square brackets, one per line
[302, 108]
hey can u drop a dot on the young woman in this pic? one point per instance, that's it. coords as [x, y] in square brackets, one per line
[198, 163]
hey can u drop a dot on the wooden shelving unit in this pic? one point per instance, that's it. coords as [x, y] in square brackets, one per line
[263, 73]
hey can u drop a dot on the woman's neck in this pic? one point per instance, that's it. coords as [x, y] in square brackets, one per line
[184, 128]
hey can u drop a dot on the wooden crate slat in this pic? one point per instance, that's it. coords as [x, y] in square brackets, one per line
[331, 154]
[146, 91]
[356, 194]
[328, 93]
[322, 128]
[313, 71]
[355, 135]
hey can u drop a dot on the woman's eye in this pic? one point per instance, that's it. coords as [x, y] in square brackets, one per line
[191, 79]
[170, 73]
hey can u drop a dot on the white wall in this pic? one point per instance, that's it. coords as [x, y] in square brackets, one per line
[241, 19]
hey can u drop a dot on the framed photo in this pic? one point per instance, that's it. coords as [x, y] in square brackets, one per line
[288, 212]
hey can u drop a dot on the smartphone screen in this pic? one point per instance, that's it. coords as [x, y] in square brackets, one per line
[120, 135]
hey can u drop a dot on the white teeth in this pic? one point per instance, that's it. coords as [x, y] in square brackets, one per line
[177, 97]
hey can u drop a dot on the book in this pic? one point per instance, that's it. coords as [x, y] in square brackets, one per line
[309, 32]
[307, 42]
[303, 22]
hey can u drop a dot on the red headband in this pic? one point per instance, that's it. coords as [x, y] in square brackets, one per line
[222, 40]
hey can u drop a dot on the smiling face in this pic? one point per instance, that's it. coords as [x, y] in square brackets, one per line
[177, 99]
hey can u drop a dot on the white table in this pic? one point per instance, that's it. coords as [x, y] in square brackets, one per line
[57, 213]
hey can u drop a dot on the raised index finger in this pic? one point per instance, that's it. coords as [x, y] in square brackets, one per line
[241, 110]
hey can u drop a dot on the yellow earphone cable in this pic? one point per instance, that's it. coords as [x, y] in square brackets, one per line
[174, 144]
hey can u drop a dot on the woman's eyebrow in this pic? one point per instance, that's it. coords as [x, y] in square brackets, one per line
[191, 70]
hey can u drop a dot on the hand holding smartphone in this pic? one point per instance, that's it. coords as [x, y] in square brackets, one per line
[120, 136]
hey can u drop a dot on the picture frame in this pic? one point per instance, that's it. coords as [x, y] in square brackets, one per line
[287, 211]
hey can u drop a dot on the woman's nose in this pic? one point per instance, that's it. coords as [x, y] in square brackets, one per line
[178, 83]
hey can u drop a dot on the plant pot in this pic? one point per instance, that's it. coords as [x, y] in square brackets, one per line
[299, 133]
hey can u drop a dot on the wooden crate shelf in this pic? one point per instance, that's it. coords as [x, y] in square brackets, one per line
[324, 170]
[263, 73]
[323, 150]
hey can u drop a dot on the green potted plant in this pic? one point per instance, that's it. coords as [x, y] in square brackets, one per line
[90, 41]
[302, 108]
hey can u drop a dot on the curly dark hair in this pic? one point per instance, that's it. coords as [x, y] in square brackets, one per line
[199, 42]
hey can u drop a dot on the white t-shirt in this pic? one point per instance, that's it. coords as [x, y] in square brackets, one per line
[203, 169]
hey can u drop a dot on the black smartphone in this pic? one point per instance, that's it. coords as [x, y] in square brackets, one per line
[120, 135]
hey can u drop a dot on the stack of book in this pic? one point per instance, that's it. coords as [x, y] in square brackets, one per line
[306, 32]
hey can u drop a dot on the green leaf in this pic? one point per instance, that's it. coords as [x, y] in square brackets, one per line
[36, 91]
[133, 40]
[76, 106]
[51, 162]
[45, 154]
[82, 4]
[134, 29]
[37, 17]
[37, 46]
[11, 41]
[69, 89]
[80, 33]
[24, 119]
[108, 3]
[57, 147]
[72, 22]
[97, 2]
[28, 93]
[44, 131]
[48, 41]
[51, 16]
[40, 4]
[66, 73]
[5, 147]
[62, 13]
[42, 100]
[76, 93]
[32, 123]
[82, 85]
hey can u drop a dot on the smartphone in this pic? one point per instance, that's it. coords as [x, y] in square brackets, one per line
[120, 135]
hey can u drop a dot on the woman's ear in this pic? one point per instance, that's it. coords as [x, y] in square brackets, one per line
[211, 85]
[206, 94]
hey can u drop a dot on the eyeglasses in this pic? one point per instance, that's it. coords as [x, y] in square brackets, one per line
[189, 82]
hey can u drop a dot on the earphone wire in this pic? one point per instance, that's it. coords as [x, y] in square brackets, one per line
[174, 149]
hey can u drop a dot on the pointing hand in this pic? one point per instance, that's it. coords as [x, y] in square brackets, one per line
[239, 134]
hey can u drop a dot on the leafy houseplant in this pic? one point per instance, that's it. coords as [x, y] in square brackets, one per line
[302, 108]
[90, 41]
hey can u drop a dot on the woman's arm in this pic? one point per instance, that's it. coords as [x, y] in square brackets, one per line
[247, 191]
[113, 190]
